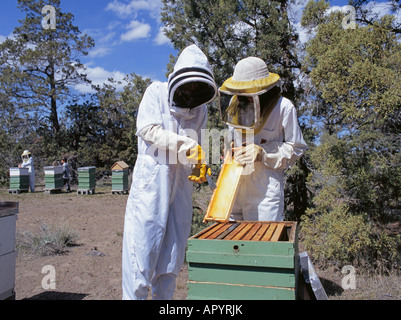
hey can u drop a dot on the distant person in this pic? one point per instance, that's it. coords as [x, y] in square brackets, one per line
[27, 162]
[66, 173]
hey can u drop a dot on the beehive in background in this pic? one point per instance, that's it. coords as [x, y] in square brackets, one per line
[8, 255]
[119, 178]
[19, 179]
[53, 178]
[86, 180]
[244, 260]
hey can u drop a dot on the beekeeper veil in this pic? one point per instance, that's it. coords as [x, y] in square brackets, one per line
[26, 155]
[192, 82]
[248, 97]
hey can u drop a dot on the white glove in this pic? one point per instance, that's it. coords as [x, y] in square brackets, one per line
[249, 154]
[167, 140]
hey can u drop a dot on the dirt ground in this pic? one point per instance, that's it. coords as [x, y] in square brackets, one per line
[91, 270]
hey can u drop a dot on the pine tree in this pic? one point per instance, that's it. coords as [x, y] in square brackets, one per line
[39, 64]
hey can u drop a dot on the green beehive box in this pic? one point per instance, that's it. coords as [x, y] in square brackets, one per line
[244, 260]
[119, 178]
[54, 178]
[19, 179]
[87, 178]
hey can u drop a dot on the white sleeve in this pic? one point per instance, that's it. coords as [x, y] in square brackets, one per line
[27, 164]
[149, 112]
[166, 140]
[282, 155]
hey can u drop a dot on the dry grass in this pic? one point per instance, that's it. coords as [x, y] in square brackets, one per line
[47, 241]
[368, 286]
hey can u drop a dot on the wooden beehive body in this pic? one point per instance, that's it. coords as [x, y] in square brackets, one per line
[87, 178]
[54, 178]
[19, 179]
[119, 178]
[244, 260]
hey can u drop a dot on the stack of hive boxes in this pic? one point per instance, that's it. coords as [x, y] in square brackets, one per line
[86, 180]
[53, 179]
[19, 180]
[8, 255]
[240, 260]
[120, 171]
[244, 260]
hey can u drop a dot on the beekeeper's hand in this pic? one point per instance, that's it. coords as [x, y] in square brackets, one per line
[199, 173]
[249, 154]
[196, 155]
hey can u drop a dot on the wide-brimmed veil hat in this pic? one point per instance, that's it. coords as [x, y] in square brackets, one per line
[247, 99]
[251, 75]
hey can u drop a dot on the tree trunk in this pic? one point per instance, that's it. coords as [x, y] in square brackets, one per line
[53, 106]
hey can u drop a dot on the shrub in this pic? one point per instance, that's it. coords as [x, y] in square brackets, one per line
[49, 241]
[339, 238]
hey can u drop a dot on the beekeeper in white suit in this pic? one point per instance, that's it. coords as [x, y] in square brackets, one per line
[159, 209]
[266, 123]
[27, 162]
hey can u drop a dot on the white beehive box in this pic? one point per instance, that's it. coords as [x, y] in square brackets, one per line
[8, 219]
[7, 275]
[7, 234]
[53, 170]
[16, 172]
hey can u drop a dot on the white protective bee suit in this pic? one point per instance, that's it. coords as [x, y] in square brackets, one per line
[261, 193]
[159, 208]
[275, 145]
[27, 162]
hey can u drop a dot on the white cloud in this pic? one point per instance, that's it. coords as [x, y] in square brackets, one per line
[295, 14]
[296, 10]
[381, 9]
[134, 6]
[161, 38]
[136, 30]
[99, 76]
[108, 37]
[11, 36]
[99, 52]
[147, 9]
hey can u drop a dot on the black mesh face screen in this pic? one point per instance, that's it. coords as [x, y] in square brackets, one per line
[267, 99]
[193, 94]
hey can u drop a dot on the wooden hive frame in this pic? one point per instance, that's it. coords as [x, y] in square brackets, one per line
[222, 201]
[250, 231]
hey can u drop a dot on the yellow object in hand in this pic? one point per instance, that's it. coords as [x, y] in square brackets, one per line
[199, 173]
[196, 155]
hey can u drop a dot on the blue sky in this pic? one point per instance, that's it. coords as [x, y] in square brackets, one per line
[127, 34]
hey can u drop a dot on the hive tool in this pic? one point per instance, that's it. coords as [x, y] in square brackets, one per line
[211, 183]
